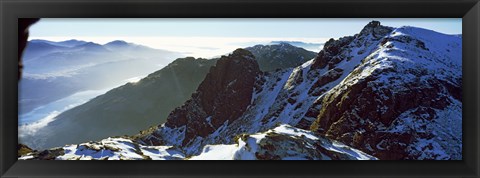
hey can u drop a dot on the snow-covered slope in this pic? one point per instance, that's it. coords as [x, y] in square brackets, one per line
[290, 143]
[392, 93]
[108, 149]
[282, 143]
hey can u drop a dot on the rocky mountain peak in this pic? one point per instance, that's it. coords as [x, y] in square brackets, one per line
[222, 97]
[375, 29]
[373, 24]
[233, 74]
[334, 51]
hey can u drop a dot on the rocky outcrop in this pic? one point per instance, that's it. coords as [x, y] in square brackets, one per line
[50, 154]
[285, 142]
[222, 97]
[330, 76]
[23, 150]
[329, 56]
[277, 146]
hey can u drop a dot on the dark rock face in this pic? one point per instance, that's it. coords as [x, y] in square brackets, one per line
[328, 56]
[332, 75]
[223, 96]
[363, 107]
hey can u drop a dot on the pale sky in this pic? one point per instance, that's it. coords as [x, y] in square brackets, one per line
[209, 37]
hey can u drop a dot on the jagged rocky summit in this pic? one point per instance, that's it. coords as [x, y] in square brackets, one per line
[222, 97]
[385, 93]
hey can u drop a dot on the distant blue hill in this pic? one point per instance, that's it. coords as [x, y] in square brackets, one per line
[315, 47]
[67, 43]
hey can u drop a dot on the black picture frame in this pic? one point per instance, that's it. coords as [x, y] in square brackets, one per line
[11, 10]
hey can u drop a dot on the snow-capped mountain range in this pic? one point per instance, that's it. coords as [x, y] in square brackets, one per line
[385, 93]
